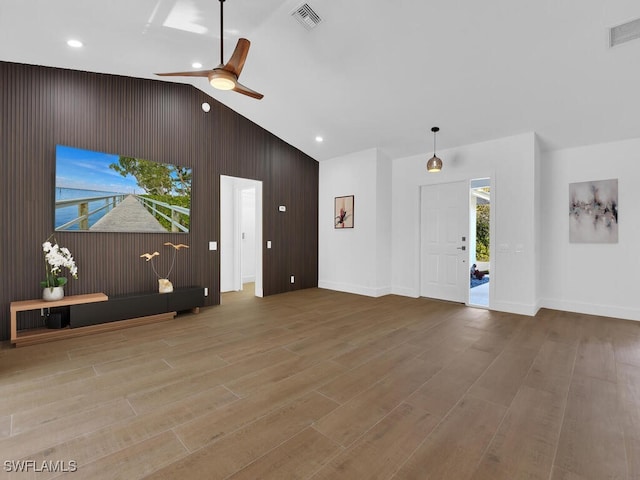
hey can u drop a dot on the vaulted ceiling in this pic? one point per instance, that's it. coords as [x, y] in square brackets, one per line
[373, 73]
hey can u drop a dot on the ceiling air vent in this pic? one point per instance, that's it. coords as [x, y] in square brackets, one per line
[306, 16]
[624, 33]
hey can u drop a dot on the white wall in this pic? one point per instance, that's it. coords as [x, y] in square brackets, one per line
[597, 279]
[538, 221]
[356, 260]
[510, 163]
[384, 212]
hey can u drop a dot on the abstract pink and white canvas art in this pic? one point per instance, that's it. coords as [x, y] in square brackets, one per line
[593, 212]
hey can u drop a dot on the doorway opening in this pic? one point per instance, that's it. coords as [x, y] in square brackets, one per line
[479, 242]
[240, 236]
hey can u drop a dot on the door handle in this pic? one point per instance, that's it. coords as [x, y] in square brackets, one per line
[461, 248]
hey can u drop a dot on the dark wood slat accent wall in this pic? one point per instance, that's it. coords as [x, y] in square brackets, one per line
[41, 107]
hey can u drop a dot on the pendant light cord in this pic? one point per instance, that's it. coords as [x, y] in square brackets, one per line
[434, 130]
[434, 144]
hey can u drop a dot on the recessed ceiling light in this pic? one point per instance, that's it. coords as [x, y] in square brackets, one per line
[319, 139]
[196, 65]
[74, 43]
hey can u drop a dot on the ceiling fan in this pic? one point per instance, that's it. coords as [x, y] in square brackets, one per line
[224, 76]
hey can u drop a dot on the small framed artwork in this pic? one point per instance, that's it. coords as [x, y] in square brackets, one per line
[593, 212]
[343, 212]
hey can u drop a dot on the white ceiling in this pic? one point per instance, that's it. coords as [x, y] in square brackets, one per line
[374, 73]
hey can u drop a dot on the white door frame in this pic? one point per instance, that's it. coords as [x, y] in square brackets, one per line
[237, 184]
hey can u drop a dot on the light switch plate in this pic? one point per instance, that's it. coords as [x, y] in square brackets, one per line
[268, 243]
[213, 245]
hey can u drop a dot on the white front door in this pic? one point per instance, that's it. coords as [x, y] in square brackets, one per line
[444, 258]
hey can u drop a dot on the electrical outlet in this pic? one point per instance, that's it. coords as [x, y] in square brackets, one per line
[268, 243]
[206, 292]
[293, 279]
[213, 245]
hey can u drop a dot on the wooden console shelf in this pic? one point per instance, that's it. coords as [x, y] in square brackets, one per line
[95, 312]
[25, 305]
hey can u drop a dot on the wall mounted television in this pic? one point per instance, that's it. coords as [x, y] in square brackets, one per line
[102, 192]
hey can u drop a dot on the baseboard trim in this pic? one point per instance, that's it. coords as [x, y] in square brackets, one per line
[405, 292]
[517, 308]
[356, 289]
[508, 307]
[592, 309]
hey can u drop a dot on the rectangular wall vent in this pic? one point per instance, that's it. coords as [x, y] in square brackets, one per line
[306, 16]
[624, 33]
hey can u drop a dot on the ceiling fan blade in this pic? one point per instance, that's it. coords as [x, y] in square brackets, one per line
[247, 91]
[236, 62]
[200, 73]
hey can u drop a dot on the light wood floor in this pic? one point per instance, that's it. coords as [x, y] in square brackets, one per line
[325, 385]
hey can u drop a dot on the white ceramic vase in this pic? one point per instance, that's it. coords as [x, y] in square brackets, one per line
[164, 285]
[51, 294]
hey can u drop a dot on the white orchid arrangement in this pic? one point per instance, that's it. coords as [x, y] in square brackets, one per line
[55, 259]
[150, 256]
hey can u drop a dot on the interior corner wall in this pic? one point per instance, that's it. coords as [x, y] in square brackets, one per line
[383, 224]
[355, 260]
[538, 226]
[510, 163]
[598, 279]
[155, 120]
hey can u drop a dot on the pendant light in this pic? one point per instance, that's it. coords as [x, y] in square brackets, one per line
[434, 164]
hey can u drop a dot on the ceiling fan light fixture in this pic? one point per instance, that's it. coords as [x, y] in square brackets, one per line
[434, 164]
[222, 80]
[225, 76]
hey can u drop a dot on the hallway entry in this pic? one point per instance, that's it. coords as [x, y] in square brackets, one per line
[240, 235]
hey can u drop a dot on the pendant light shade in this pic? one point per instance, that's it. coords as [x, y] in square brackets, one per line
[434, 164]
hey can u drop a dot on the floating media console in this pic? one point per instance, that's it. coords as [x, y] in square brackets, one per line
[123, 307]
[96, 312]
